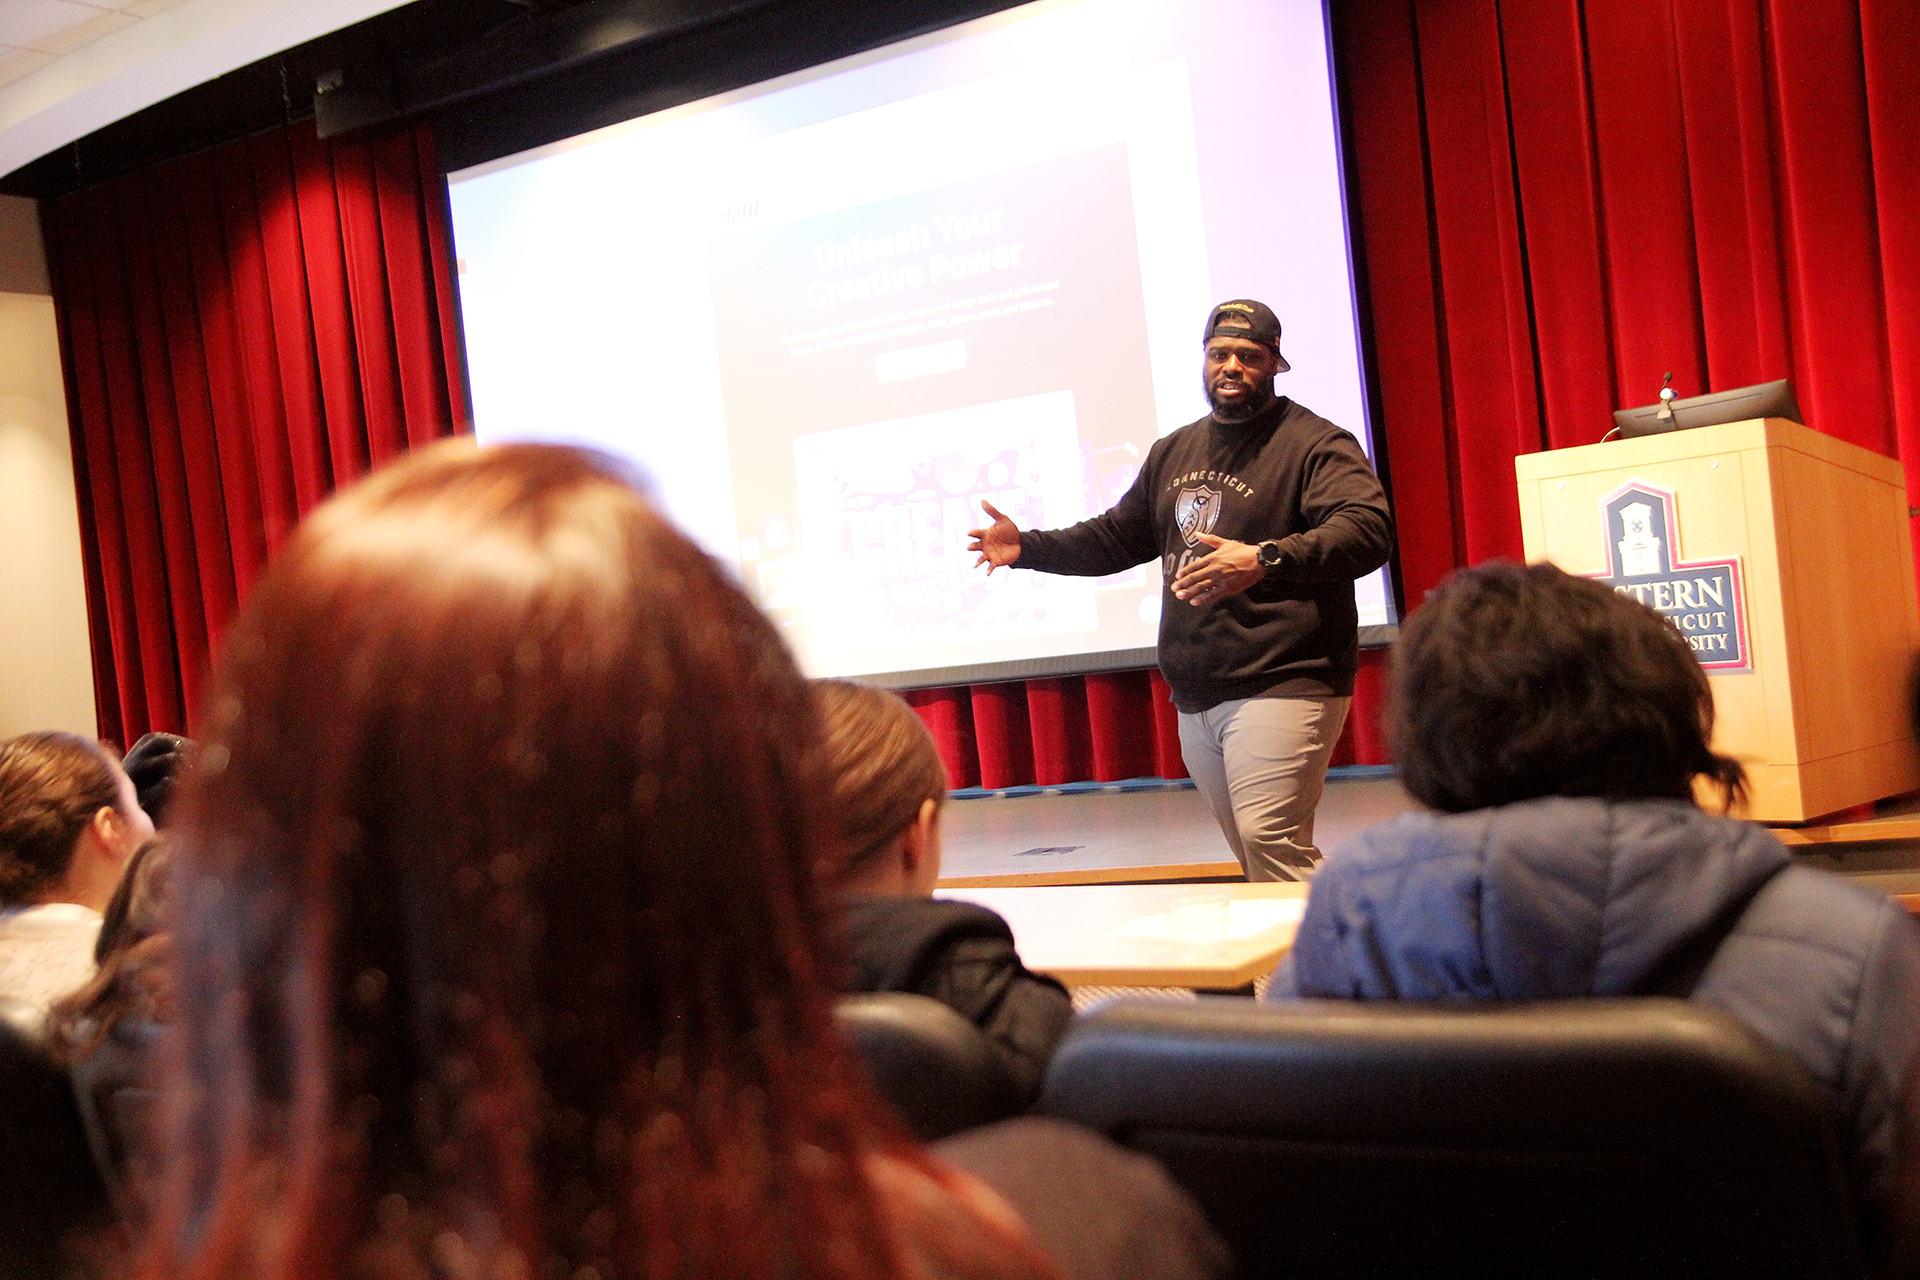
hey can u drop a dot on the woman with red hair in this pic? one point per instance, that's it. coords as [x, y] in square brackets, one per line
[498, 946]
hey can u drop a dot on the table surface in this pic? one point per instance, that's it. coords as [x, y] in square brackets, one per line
[1119, 935]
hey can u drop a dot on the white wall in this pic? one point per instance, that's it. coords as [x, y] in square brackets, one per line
[46, 673]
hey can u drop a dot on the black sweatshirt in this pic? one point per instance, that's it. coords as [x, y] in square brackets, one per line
[961, 955]
[1286, 474]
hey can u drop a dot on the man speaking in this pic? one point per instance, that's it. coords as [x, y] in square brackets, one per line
[1262, 514]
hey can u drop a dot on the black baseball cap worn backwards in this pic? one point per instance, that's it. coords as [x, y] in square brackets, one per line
[1244, 318]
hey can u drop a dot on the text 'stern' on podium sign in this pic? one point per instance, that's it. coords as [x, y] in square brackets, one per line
[1784, 557]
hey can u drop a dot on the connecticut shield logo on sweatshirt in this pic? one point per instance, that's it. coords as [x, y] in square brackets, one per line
[1196, 511]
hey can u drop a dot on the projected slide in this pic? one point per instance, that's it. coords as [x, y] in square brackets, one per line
[884, 511]
[1016, 296]
[829, 314]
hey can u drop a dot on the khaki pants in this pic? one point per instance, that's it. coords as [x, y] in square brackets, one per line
[1262, 763]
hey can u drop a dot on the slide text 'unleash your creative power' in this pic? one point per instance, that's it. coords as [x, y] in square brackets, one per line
[954, 230]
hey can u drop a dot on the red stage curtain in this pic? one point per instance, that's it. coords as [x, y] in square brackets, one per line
[243, 330]
[1101, 727]
[1559, 202]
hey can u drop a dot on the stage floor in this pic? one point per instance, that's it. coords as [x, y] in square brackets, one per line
[1164, 832]
[1104, 837]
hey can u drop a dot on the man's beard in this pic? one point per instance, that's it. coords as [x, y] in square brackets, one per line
[1261, 397]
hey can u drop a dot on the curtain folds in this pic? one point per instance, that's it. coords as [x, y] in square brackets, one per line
[244, 329]
[1102, 727]
[1555, 202]
[1558, 201]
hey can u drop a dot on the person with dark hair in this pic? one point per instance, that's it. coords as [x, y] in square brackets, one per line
[498, 947]
[108, 1031]
[889, 787]
[154, 763]
[69, 820]
[1261, 516]
[1557, 730]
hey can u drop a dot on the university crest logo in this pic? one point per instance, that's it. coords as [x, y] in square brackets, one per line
[1701, 598]
[1196, 511]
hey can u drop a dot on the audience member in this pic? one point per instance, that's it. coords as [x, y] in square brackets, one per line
[498, 946]
[1556, 729]
[154, 763]
[69, 820]
[889, 787]
[109, 1030]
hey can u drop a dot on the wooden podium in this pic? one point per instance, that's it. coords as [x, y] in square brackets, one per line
[1785, 558]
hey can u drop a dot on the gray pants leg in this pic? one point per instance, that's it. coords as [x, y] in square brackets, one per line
[1261, 763]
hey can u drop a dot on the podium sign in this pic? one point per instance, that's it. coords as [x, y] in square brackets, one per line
[1784, 557]
[1702, 598]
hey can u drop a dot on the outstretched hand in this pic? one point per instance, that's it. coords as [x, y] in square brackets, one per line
[1227, 569]
[998, 544]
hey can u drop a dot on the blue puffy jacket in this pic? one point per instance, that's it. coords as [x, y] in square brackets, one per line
[1561, 897]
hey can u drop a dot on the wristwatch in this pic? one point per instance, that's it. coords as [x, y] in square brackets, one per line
[1269, 555]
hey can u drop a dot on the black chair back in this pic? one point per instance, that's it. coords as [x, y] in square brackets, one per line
[1642, 1137]
[50, 1190]
[935, 1067]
